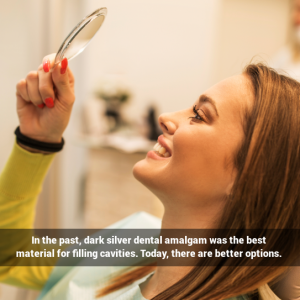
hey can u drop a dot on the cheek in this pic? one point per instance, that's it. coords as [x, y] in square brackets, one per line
[199, 156]
[198, 147]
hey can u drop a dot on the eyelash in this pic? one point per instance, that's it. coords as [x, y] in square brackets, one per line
[197, 116]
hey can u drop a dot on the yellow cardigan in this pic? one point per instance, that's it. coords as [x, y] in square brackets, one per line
[20, 184]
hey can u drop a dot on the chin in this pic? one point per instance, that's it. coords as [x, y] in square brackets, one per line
[144, 173]
[152, 173]
[147, 174]
[140, 171]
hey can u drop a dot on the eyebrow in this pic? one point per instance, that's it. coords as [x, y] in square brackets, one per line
[205, 98]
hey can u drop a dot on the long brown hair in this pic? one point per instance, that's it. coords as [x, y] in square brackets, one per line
[265, 195]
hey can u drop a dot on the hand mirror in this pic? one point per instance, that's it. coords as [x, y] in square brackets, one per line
[81, 35]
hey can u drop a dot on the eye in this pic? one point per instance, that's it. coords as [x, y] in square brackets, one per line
[197, 116]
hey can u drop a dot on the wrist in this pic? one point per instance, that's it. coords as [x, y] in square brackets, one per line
[44, 139]
[54, 138]
[32, 150]
[38, 146]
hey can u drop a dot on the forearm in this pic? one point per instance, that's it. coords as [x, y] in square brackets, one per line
[20, 183]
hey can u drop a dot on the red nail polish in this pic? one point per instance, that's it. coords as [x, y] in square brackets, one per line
[49, 102]
[41, 105]
[64, 65]
[46, 65]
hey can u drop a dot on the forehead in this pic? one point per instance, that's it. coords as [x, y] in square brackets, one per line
[233, 96]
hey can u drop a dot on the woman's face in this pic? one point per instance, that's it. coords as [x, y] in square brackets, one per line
[199, 170]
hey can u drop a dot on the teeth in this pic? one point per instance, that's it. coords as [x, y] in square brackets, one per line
[161, 150]
[156, 147]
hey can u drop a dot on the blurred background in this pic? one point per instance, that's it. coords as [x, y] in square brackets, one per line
[148, 58]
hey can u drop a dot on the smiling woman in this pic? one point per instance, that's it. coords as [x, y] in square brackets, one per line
[230, 160]
[201, 141]
[218, 147]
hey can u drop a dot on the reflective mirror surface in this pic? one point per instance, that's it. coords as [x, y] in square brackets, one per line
[81, 35]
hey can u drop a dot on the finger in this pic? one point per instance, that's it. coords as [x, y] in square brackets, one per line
[71, 77]
[46, 87]
[32, 80]
[63, 66]
[22, 90]
[48, 62]
[63, 84]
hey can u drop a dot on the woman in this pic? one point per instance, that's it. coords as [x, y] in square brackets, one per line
[230, 160]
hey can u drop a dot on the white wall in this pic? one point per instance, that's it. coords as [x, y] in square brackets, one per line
[15, 61]
[162, 48]
[248, 29]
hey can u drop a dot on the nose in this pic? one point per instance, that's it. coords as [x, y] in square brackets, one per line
[167, 124]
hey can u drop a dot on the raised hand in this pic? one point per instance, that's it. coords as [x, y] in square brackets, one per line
[45, 100]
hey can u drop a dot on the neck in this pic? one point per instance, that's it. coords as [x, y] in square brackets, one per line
[179, 218]
[196, 217]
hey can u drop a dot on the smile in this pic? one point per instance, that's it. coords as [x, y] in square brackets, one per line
[161, 151]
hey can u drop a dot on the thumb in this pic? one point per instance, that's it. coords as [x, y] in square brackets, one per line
[62, 83]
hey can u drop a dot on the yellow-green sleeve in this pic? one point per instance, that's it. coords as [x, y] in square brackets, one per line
[20, 184]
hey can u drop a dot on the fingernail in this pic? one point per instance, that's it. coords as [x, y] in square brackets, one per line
[46, 65]
[41, 105]
[64, 65]
[49, 102]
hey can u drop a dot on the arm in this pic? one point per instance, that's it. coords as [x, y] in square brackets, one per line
[20, 184]
[23, 175]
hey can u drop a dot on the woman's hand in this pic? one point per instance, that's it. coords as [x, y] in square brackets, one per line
[45, 100]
